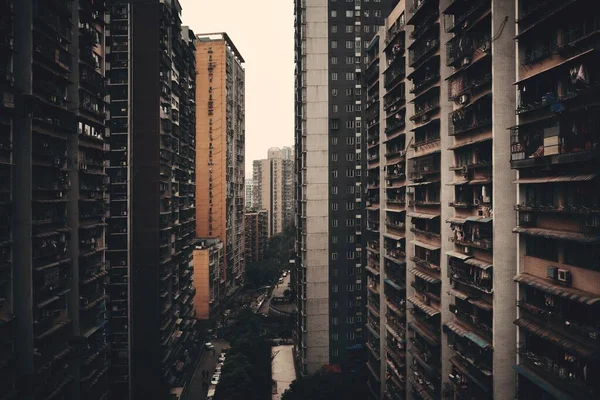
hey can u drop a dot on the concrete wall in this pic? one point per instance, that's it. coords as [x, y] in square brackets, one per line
[317, 185]
[201, 259]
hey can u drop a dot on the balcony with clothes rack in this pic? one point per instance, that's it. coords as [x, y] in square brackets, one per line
[474, 350]
[479, 278]
[468, 382]
[572, 138]
[474, 231]
[425, 77]
[475, 116]
[423, 48]
[466, 17]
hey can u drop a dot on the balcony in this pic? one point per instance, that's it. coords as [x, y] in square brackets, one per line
[418, 54]
[465, 16]
[479, 278]
[393, 75]
[467, 382]
[547, 142]
[475, 116]
[472, 349]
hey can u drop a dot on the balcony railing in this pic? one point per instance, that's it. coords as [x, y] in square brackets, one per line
[481, 282]
[418, 54]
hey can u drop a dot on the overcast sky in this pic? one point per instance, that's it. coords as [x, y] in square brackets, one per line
[263, 32]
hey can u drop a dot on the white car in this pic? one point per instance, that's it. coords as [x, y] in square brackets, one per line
[218, 368]
[214, 380]
[209, 346]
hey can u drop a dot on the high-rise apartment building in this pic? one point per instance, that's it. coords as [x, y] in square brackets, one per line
[249, 193]
[220, 147]
[329, 53]
[554, 147]
[208, 273]
[257, 235]
[274, 188]
[53, 275]
[446, 172]
[151, 197]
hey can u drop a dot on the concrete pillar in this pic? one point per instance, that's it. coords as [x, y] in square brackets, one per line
[504, 194]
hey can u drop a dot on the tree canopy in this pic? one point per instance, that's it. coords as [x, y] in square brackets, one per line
[326, 386]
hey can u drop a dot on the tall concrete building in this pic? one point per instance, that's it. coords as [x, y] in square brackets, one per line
[331, 284]
[273, 184]
[249, 193]
[151, 197]
[220, 149]
[208, 274]
[554, 147]
[257, 235]
[447, 171]
[53, 275]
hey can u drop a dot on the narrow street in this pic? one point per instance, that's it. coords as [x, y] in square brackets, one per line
[277, 292]
[283, 370]
[208, 362]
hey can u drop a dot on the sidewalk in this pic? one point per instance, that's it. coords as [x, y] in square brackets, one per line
[207, 362]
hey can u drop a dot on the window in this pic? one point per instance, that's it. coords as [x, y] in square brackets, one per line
[366, 28]
[334, 206]
[546, 249]
[358, 107]
[358, 91]
[334, 336]
[349, 14]
[349, 28]
[358, 125]
[333, 28]
[350, 318]
[334, 352]
[358, 286]
[358, 172]
[334, 304]
[334, 239]
[334, 256]
[334, 92]
[350, 335]
[349, 107]
[350, 239]
[334, 108]
[334, 60]
[350, 124]
[349, 221]
[366, 13]
[334, 320]
[349, 60]
[358, 302]
[349, 156]
[350, 173]
[334, 157]
[335, 124]
[358, 333]
[350, 189]
[334, 140]
[350, 272]
[334, 44]
[334, 173]
[350, 140]
[349, 44]
[349, 92]
[349, 76]
[334, 76]
[349, 206]
[582, 255]
[333, 13]
[358, 318]
[334, 272]
[349, 255]
[334, 222]
[377, 13]
[334, 189]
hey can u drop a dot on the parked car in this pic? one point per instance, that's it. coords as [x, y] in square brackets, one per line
[209, 346]
[214, 380]
[222, 358]
[219, 367]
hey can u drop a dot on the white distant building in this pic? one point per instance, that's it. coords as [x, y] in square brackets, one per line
[249, 194]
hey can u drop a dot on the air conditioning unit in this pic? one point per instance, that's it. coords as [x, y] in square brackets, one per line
[564, 276]
[467, 250]
[465, 61]
[464, 99]
[552, 272]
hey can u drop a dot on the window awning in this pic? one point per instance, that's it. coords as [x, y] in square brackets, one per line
[422, 216]
[392, 236]
[560, 340]
[456, 328]
[394, 211]
[458, 294]
[422, 183]
[456, 220]
[430, 338]
[430, 311]
[559, 235]
[425, 245]
[456, 254]
[482, 181]
[468, 334]
[482, 220]
[394, 284]
[478, 263]
[424, 275]
[457, 183]
[541, 382]
[569, 293]
[422, 362]
[556, 179]
[472, 142]
[484, 305]
[553, 66]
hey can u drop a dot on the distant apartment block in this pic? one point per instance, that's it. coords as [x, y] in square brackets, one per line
[273, 181]
[208, 266]
[249, 193]
[257, 235]
[220, 147]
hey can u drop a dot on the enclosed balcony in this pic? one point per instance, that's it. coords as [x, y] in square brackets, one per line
[468, 382]
[470, 82]
[422, 49]
[425, 76]
[571, 138]
[424, 197]
[427, 256]
[461, 50]
[480, 277]
[423, 167]
[476, 116]
[473, 232]
[471, 348]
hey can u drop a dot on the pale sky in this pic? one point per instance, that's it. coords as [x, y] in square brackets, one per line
[263, 32]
